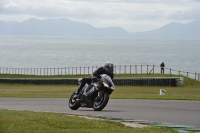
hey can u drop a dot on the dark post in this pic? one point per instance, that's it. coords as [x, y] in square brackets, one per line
[187, 74]
[195, 76]
[88, 70]
[115, 69]
[120, 69]
[170, 71]
[130, 69]
[141, 69]
[125, 69]
[153, 68]
[147, 69]
[135, 69]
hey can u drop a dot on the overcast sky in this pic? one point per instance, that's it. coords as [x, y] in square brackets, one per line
[132, 15]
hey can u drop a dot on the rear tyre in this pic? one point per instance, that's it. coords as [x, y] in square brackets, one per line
[100, 104]
[72, 102]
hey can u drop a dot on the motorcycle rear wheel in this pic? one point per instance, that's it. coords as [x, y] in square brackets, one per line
[72, 102]
[98, 105]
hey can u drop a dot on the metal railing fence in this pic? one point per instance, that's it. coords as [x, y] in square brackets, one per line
[119, 69]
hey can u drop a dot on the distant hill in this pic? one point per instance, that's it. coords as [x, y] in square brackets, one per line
[59, 27]
[173, 31]
[68, 28]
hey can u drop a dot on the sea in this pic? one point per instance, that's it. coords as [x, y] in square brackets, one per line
[51, 52]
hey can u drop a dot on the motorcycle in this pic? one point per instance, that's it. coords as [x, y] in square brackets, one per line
[94, 95]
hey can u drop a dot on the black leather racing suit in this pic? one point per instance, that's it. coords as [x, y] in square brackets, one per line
[95, 76]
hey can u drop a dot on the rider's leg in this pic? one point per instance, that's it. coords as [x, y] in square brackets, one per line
[84, 81]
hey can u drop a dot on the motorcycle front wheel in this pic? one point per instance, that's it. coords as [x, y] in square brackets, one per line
[72, 102]
[100, 104]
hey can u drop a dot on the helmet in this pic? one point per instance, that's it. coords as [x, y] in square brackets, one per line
[109, 66]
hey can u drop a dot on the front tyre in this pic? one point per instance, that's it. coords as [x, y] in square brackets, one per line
[72, 102]
[100, 104]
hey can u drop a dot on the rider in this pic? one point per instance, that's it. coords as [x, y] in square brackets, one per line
[106, 69]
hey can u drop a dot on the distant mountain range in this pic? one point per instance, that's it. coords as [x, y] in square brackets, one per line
[68, 28]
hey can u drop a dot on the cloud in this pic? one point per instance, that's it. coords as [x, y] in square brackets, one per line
[123, 13]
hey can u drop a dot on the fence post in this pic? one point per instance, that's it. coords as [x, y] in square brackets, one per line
[147, 68]
[153, 68]
[195, 75]
[130, 69]
[135, 69]
[120, 69]
[125, 69]
[141, 69]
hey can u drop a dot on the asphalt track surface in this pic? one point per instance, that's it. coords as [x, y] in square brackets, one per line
[176, 112]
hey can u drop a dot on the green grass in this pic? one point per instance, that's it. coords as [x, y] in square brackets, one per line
[40, 122]
[190, 91]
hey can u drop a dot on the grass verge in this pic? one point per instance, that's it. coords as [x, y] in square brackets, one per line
[190, 91]
[40, 122]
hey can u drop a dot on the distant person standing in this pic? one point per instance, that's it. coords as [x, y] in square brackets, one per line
[162, 65]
